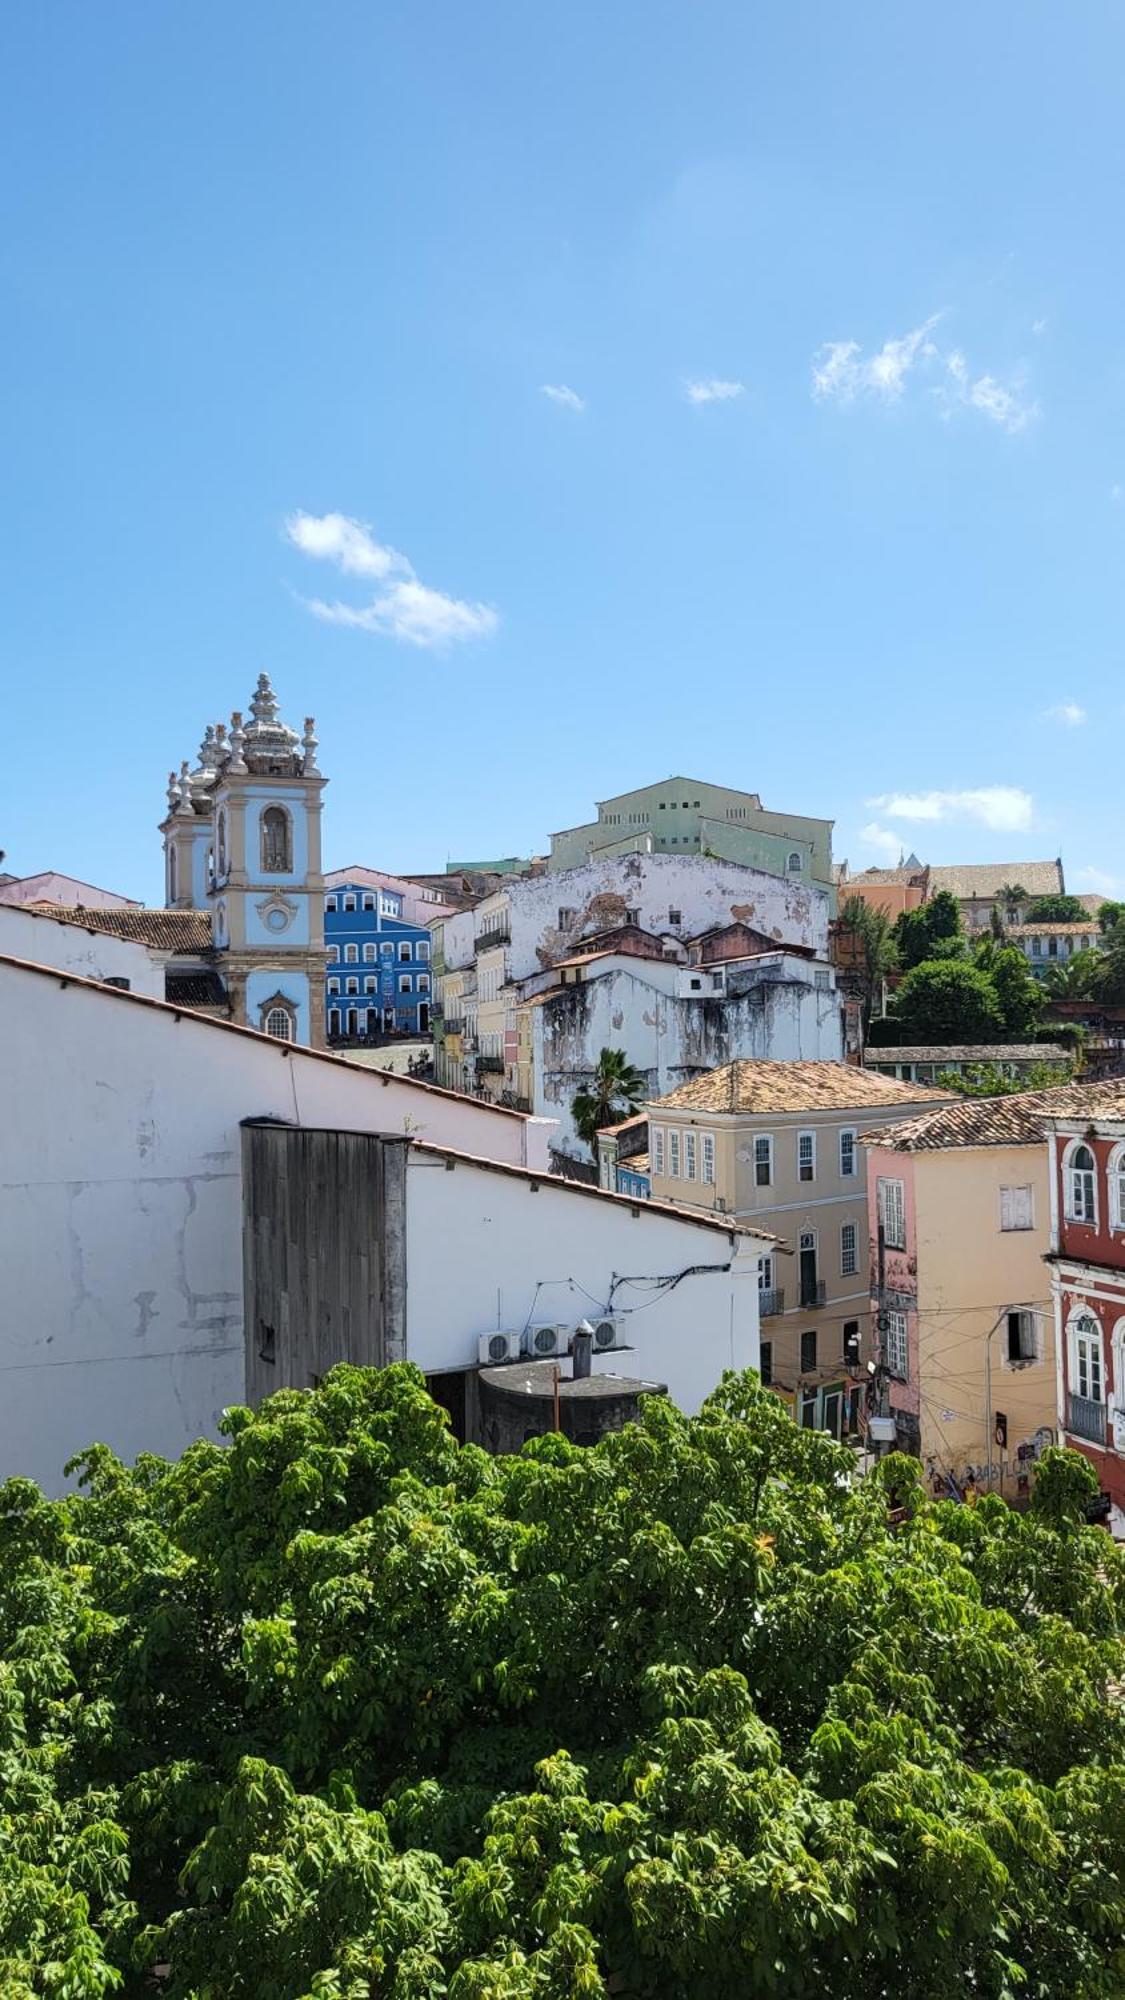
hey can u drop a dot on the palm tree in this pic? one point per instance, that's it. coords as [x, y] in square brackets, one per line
[1013, 895]
[615, 1091]
[1073, 978]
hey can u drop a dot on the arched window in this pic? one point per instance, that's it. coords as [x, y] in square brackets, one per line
[1081, 1185]
[173, 891]
[1117, 1188]
[277, 843]
[279, 1024]
[221, 846]
[795, 863]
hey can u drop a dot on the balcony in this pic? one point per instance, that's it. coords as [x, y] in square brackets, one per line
[493, 1064]
[771, 1301]
[454, 1024]
[813, 1293]
[498, 933]
[1086, 1419]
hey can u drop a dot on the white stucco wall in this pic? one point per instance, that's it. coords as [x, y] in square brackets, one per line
[91, 954]
[672, 1039]
[511, 1254]
[120, 1217]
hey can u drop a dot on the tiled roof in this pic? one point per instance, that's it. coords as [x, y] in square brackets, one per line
[869, 878]
[793, 1086]
[165, 930]
[1000, 1121]
[985, 878]
[971, 1052]
[1052, 930]
[194, 989]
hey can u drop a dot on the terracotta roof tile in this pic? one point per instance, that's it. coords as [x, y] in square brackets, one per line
[1000, 1121]
[976, 1052]
[793, 1086]
[165, 930]
[986, 878]
[1052, 930]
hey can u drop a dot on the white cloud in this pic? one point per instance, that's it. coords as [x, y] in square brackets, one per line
[1099, 881]
[883, 840]
[713, 390]
[404, 608]
[1067, 712]
[1038, 326]
[349, 544]
[1004, 808]
[840, 373]
[559, 393]
[1116, 491]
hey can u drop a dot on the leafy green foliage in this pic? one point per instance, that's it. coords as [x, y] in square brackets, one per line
[989, 1080]
[343, 1709]
[1055, 910]
[947, 1001]
[918, 931]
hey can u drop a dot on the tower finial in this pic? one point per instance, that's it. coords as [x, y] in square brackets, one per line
[208, 749]
[309, 746]
[184, 808]
[173, 791]
[263, 704]
[237, 764]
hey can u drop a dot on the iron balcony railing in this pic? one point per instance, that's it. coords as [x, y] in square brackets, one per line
[495, 934]
[814, 1293]
[454, 1024]
[493, 1063]
[771, 1301]
[1086, 1419]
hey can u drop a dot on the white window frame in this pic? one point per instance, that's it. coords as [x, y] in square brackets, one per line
[707, 1162]
[386, 948]
[422, 982]
[848, 1173]
[370, 984]
[765, 1272]
[351, 954]
[330, 902]
[1080, 1185]
[806, 1141]
[658, 1150]
[404, 951]
[1115, 1176]
[422, 948]
[896, 1346]
[1013, 1206]
[369, 954]
[1086, 1355]
[405, 982]
[349, 900]
[891, 1197]
[763, 1139]
[673, 1152]
[691, 1150]
[849, 1257]
[368, 900]
[351, 986]
[1031, 1324]
[333, 954]
[333, 986]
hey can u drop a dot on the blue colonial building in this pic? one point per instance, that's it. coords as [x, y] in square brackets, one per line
[378, 975]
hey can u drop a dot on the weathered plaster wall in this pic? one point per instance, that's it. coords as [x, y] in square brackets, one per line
[120, 1219]
[90, 954]
[670, 1038]
[706, 893]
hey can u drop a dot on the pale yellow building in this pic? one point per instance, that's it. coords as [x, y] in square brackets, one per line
[965, 1295]
[776, 1143]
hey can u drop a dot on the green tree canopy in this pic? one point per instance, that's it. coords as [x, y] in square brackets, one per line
[948, 1001]
[1017, 990]
[342, 1709]
[917, 931]
[873, 955]
[1055, 910]
[988, 1080]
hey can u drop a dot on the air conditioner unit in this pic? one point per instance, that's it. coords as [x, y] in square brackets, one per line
[607, 1334]
[543, 1343]
[498, 1346]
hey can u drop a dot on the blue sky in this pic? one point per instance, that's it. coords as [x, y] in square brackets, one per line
[264, 265]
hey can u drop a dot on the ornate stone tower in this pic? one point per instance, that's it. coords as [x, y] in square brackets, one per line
[242, 840]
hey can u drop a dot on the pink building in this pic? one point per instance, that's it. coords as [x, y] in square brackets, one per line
[52, 888]
[1087, 1258]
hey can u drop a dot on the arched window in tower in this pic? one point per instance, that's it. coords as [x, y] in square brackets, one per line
[173, 889]
[279, 1024]
[221, 846]
[277, 841]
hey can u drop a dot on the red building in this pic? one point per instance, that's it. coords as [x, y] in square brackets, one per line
[1088, 1282]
